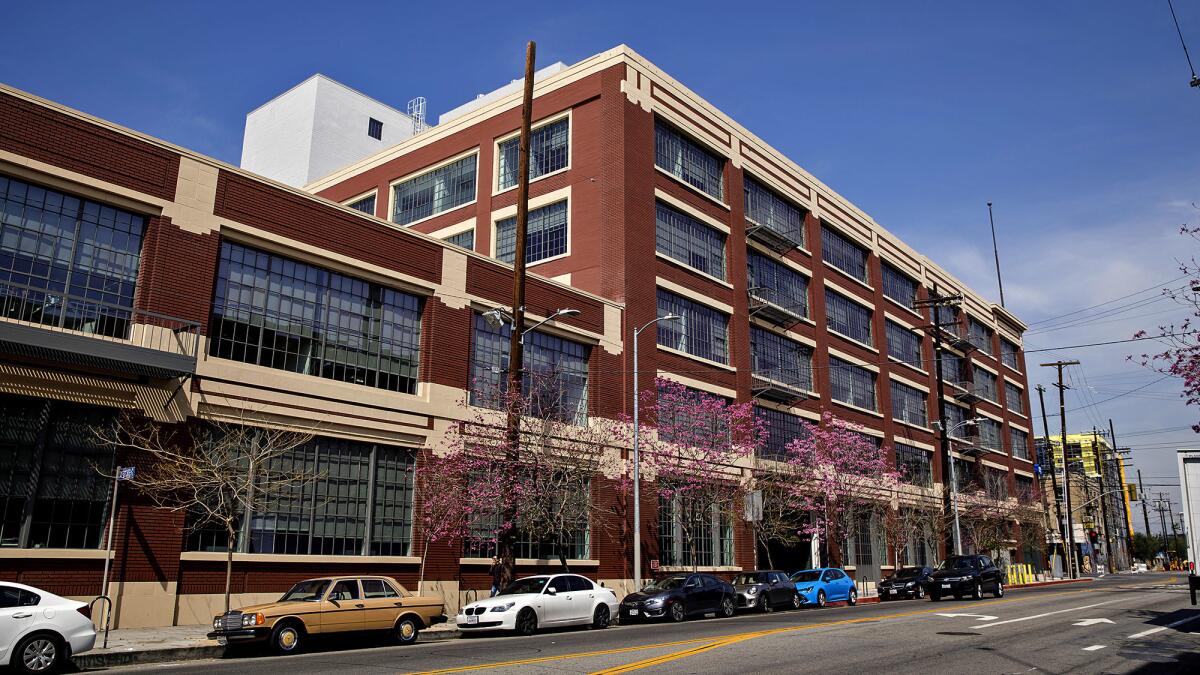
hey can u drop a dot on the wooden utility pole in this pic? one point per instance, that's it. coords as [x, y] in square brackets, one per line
[1054, 479]
[1104, 529]
[1062, 418]
[1125, 527]
[1145, 510]
[507, 539]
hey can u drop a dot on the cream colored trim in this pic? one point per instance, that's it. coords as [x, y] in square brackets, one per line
[853, 359]
[451, 230]
[701, 359]
[802, 412]
[917, 444]
[1022, 472]
[991, 416]
[850, 339]
[368, 193]
[695, 296]
[789, 334]
[688, 268]
[531, 562]
[993, 464]
[421, 172]
[698, 384]
[782, 260]
[1018, 427]
[868, 430]
[55, 553]
[692, 188]
[919, 369]
[904, 321]
[912, 383]
[865, 411]
[988, 368]
[219, 556]
[690, 210]
[785, 191]
[842, 290]
[906, 423]
[536, 125]
[78, 184]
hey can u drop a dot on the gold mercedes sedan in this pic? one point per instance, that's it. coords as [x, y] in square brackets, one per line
[331, 605]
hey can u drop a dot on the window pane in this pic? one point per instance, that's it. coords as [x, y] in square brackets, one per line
[691, 242]
[903, 344]
[847, 317]
[702, 331]
[431, 193]
[910, 404]
[1008, 354]
[914, 464]
[693, 534]
[392, 524]
[545, 235]
[898, 287]
[767, 209]
[1020, 443]
[1012, 398]
[777, 283]
[777, 358]
[463, 239]
[989, 435]
[979, 335]
[366, 205]
[985, 384]
[852, 384]
[548, 152]
[839, 251]
[781, 428]
[688, 161]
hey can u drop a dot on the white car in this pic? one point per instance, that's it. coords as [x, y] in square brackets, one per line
[39, 631]
[548, 600]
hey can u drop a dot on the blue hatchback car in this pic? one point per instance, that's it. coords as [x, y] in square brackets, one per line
[824, 585]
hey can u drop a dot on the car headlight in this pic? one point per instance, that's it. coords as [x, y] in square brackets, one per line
[753, 590]
[910, 584]
[654, 601]
[503, 608]
[253, 619]
[216, 623]
[806, 589]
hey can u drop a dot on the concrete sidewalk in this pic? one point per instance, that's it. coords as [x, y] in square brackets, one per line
[128, 646]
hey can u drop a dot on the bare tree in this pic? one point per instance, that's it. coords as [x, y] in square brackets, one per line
[779, 521]
[987, 512]
[214, 472]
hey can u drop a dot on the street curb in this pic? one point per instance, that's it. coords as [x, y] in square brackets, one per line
[112, 659]
[1055, 582]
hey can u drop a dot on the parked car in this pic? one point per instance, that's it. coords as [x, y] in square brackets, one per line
[39, 630]
[824, 585]
[330, 605]
[546, 600]
[680, 596]
[907, 582]
[764, 590]
[971, 575]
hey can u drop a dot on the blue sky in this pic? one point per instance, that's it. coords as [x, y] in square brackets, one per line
[1074, 117]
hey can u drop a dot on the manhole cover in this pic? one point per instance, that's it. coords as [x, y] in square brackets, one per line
[950, 632]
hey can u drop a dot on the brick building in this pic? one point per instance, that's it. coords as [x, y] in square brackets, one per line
[141, 276]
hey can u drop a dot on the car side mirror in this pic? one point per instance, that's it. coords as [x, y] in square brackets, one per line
[551, 591]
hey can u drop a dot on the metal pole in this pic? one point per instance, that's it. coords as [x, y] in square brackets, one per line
[1062, 418]
[996, 251]
[637, 474]
[1054, 478]
[112, 523]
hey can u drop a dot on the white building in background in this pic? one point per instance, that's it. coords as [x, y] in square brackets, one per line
[1189, 489]
[317, 127]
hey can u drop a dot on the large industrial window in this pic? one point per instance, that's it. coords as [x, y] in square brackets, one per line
[366, 205]
[781, 428]
[985, 384]
[51, 492]
[275, 312]
[692, 534]
[777, 283]
[910, 404]
[702, 331]
[777, 358]
[1008, 354]
[898, 287]
[765, 208]
[545, 234]
[914, 465]
[684, 415]
[979, 335]
[1012, 398]
[549, 150]
[440, 190]
[903, 344]
[852, 384]
[463, 239]
[989, 435]
[956, 417]
[952, 367]
[688, 161]
[536, 540]
[691, 242]
[1020, 443]
[554, 377]
[839, 251]
[948, 319]
[67, 261]
[847, 317]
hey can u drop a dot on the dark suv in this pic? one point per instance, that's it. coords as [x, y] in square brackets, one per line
[971, 575]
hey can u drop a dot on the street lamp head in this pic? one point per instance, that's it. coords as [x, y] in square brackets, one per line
[567, 312]
[494, 318]
[974, 421]
[670, 317]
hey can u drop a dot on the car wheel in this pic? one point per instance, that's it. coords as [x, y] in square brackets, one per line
[41, 653]
[999, 590]
[821, 598]
[852, 598]
[977, 592]
[527, 622]
[727, 608]
[601, 618]
[764, 605]
[920, 592]
[796, 601]
[934, 597]
[406, 630]
[286, 638]
[677, 613]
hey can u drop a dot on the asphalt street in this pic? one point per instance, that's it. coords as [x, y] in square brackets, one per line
[1121, 624]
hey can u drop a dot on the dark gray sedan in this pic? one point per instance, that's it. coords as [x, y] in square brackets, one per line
[764, 590]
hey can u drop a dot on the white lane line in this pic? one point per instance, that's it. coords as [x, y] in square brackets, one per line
[1093, 648]
[1152, 631]
[1038, 616]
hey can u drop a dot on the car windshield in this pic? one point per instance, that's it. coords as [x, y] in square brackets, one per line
[955, 564]
[743, 579]
[667, 584]
[807, 575]
[306, 591]
[908, 572]
[526, 585]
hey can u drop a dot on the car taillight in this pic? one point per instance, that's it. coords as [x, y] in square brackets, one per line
[85, 610]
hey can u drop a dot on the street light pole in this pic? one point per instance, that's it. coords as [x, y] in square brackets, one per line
[1062, 420]
[954, 482]
[637, 456]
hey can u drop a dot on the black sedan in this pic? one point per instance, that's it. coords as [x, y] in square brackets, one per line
[907, 582]
[765, 590]
[971, 575]
[678, 597]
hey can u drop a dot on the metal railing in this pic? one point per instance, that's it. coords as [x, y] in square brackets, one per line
[107, 615]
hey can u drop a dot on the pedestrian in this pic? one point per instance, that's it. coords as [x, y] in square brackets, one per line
[497, 571]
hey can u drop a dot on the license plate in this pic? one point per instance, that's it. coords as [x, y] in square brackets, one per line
[945, 585]
[222, 641]
[633, 612]
[894, 591]
[472, 619]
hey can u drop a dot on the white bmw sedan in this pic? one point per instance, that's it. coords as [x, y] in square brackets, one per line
[549, 600]
[39, 631]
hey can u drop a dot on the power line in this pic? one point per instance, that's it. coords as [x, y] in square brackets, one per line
[1195, 80]
[1155, 287]
[1114, 342]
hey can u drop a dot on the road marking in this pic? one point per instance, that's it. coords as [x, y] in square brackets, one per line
[1152, 631]
[1091, 622]
[981, 617]
[655, 660]
[718, 640]
[1038, 616]
[1093, 648]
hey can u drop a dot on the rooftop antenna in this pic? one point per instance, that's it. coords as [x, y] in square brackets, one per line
[996, 252]
[416, 110]
[1195, 79]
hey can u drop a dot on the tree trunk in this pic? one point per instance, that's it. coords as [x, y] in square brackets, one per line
[562, 552]
[421, 574]
[232, 538]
